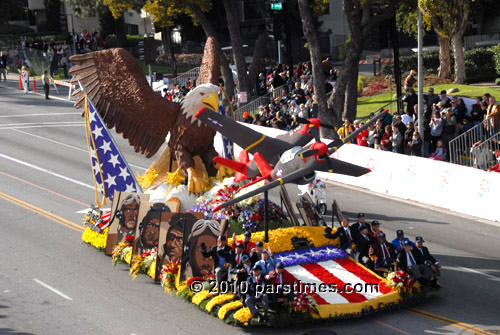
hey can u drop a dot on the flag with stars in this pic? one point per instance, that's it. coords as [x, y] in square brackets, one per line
[111, 171]
[227, 143]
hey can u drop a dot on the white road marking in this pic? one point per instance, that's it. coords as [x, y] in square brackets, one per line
[46, 171]
[40, 94]
[41, 123]
[456, 267]
[52, 289]
[39, 114]
[65, 144]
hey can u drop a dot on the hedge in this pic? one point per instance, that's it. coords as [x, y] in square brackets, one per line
[479, 63]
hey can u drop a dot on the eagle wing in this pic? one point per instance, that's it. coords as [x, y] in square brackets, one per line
[116, 85]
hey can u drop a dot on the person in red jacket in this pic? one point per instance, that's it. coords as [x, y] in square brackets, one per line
[282, 283]
[362, 137]
[386, 141]
[247, 244]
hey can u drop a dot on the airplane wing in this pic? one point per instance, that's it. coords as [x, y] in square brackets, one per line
[247, 138]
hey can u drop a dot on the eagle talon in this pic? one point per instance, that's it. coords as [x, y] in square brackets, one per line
[196, 185]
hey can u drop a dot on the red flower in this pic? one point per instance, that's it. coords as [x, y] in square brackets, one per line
[129, 239]
[197, 279]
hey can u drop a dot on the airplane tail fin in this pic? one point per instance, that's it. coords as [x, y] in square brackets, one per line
[264, 167]
[240, 168]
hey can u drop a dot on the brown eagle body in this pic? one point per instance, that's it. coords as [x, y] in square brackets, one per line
[116, 85]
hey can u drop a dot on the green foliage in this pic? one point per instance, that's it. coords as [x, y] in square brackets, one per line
[361, 83]
[410, 62]
[11, 10]
[9, 29]
[496, 57]
[497, 81]
[480, 64]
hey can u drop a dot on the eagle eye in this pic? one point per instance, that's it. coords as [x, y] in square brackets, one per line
[202, 93]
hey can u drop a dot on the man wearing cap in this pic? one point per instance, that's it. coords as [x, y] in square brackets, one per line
[346, 235]
[410, 261]
[359, 223]
[243, 271]
[247, 118]
[267, 262]
[444, 99]
[247, 244]
[364, 243]
[385, 254]
[399, 240]
[238, 254]
[375, 231]
[221, 255]
[432, 98]
[256, 284]
[282, 283]
[429, 261]
[256, 253]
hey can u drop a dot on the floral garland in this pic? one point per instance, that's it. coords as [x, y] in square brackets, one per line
[229, 307]
[312, 255]
[95, 239]
[280, 239]
[168, 275]
[243, 315]
[219, 300]
[403, 282]
[141, 263]
[198, 298]
[303, 302]
[122, 250]
[152, 269]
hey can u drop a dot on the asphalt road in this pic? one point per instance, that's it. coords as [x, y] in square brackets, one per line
[52, 283]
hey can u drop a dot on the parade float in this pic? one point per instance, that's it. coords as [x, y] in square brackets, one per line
[156, 224]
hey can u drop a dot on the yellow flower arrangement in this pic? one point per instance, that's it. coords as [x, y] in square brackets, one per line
[147, 179]
[198, 298]
[95, 239]
[219, 300]
[152, 269]
[228, 307]
[280, 239]
[243, 315]
[128, 256]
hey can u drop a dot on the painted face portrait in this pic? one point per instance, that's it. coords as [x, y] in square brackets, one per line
[174, 243]
[150, 233]
[202, 265]
[130, 213]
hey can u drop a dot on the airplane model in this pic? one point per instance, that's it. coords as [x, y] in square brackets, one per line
[282, 159]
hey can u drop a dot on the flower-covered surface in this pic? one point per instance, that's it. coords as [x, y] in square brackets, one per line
[97, 240]
[280, 240]
[312, 255]
[122, 252]
[142, 263]
[403, 282]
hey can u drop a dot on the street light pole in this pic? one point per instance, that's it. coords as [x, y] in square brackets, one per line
[420, 70]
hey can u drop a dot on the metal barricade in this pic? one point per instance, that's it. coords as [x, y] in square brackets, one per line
[460, 147]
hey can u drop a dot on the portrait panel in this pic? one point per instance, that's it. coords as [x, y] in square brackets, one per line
[147, 232]
[124, 217]
[193, 262]
[171, 241]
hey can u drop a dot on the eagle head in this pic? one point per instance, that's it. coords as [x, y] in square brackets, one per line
[205, 95]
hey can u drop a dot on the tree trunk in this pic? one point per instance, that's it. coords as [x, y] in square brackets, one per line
[351, 95]
[244, 84]
[121, 36]
[168, 48]
[458, 51]
[317, 71]
[210, 32]
[444, 56]
[258, 52]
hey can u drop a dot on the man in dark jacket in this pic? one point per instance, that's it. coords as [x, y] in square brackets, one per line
[346, 234]
[364, 242]
[429, 261]
[412, 262]
[384, 252]
[221, 254]
[256, 292]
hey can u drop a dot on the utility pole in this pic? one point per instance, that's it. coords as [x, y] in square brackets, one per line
[420, 81]
[397, 69]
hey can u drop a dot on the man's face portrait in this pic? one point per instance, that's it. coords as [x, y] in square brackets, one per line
[174, 243]
[130, 214]
[200, 263]
[150, 233]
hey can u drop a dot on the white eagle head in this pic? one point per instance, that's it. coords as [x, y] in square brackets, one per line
[205, 95]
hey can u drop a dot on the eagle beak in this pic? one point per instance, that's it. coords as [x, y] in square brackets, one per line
[212, 101]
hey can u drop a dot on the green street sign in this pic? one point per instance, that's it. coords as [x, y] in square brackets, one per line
[276, 6]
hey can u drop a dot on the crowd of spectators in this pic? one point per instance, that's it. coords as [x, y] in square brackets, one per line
[444, 119]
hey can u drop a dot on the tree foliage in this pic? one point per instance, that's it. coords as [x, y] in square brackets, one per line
[53, 9]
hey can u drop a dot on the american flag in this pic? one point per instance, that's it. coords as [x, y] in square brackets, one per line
[227, 143]
[108, 164]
